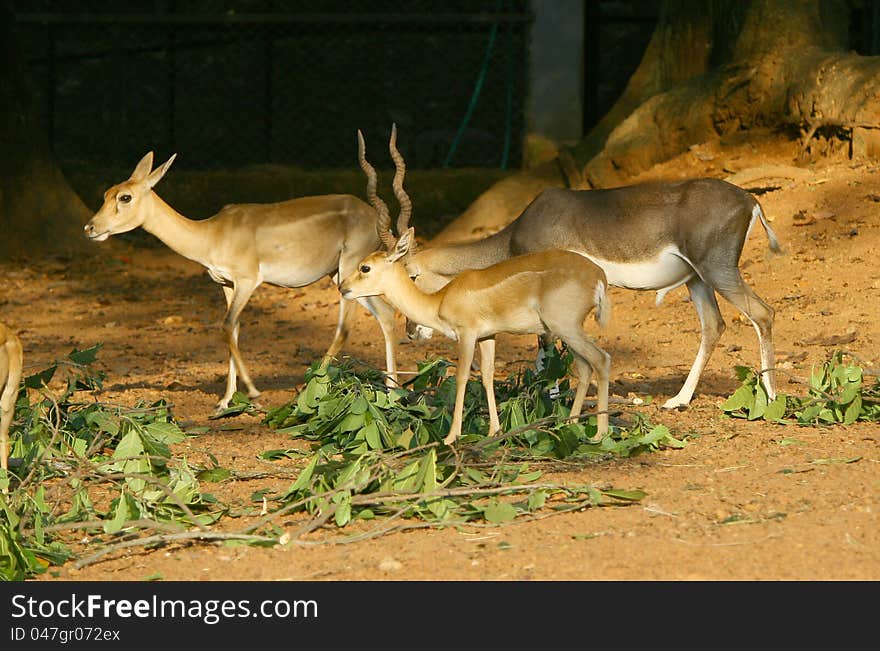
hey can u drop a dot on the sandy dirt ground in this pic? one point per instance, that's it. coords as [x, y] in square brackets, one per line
[734, 504]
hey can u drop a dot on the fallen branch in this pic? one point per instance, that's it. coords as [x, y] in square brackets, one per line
[169, 537]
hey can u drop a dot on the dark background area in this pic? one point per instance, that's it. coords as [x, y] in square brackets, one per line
[261, 98]
[232, 83]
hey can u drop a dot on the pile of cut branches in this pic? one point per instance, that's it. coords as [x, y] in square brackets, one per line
[836, 393]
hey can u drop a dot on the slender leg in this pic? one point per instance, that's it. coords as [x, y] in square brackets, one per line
[385, 315]
[592, 357]
[343, 326]
[735, 290]
[487, 372]
[466, 343]
[236, 299]
[711, 327]
[584, 373]
[10, 371]
[232, 374]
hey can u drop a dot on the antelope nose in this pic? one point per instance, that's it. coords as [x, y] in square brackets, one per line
[89, 229]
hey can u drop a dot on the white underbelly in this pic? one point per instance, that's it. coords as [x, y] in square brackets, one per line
[285, 275]
[667, 270]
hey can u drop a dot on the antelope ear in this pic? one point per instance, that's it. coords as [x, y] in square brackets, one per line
[159, 172]
[143, 168]
[403, 246]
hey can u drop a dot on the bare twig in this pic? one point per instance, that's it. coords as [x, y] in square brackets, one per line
[167, 538]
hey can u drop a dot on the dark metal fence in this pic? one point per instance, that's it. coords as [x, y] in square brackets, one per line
[228, 84]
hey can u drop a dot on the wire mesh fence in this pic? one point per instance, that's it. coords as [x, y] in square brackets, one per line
[230, 84]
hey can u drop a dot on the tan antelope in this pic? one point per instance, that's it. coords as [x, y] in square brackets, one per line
[289, 244]
[653, 236]
[548, 292]
[10, 378]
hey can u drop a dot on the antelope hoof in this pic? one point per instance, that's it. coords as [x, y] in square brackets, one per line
[597, 437]
[450, 439]
[222, 406]
[254, 393]
[676, 403]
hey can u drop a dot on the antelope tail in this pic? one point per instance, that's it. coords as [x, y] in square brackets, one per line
[603, 304]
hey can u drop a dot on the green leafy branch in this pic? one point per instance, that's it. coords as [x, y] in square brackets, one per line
[347, 408]
[837, 393]
[377, 452]
[80, 465]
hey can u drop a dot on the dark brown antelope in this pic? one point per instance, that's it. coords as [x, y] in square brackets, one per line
[654, 236]
[549, 292]
[290, 244]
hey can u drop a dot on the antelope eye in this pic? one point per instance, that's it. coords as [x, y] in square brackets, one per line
[365, 268]
[125, 198]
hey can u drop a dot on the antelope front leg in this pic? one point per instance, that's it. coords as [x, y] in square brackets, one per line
[462, 373]
[385, 314]
[343, 326]
[236, 299]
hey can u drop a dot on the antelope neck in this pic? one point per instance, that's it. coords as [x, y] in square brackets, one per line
[415, 304]
[184, 236]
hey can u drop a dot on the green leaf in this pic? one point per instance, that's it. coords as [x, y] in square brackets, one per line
[130, 446]
[775, 411]
[657, 433]
[497, 512]
[760, 405]
[288, 453]
[358, 406]
[850, 391]
[818, 379]
[304, 479]
[342, 515]
[742, 398]
[629, 496]
[854, 374]
[370, 434]
[744, 373]
[528, 477]
[428, 472]
[85, 357]
[41, 378]
[104, 421]
[120, 516]
[537, 499]
[405, 438]
[165, 432]
[351, 422]
[853, 411]
[214, 475]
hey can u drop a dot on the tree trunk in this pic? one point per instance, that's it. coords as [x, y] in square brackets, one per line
[710, 69]
[39, 212]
